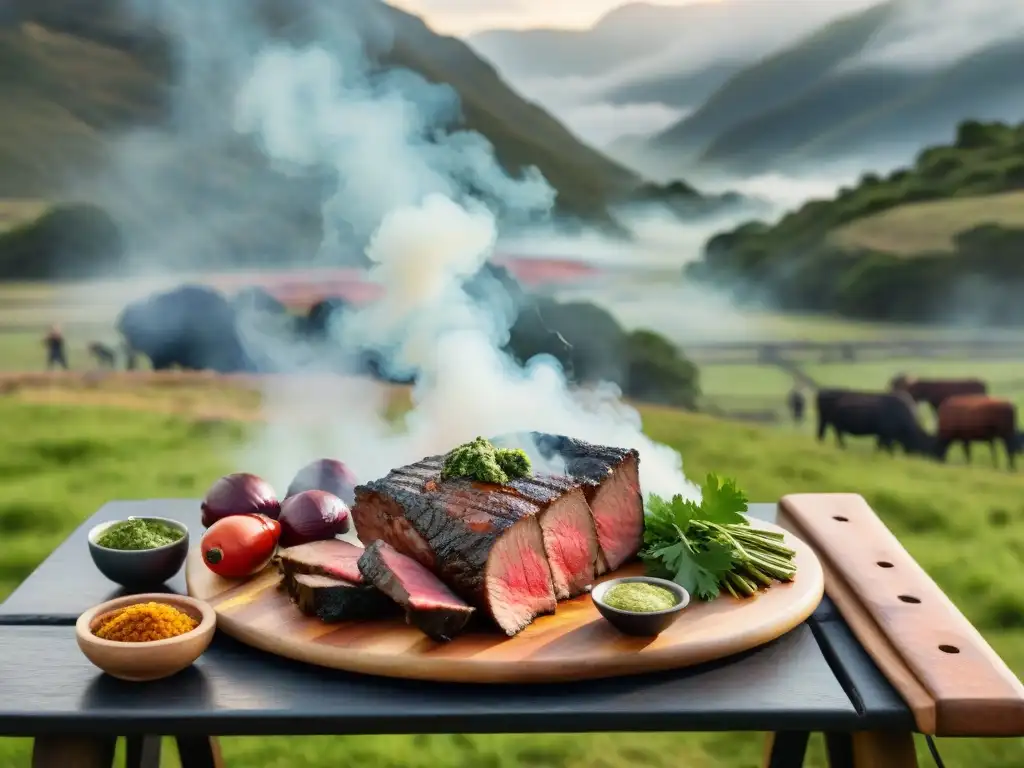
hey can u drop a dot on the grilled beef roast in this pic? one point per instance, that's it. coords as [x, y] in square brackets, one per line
[610, 478]
[512, 550]
[428, 603]
[334, 558]
[484, 541]
[335, 600]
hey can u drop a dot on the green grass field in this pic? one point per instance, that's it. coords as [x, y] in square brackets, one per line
[930, 226]
[964, 525]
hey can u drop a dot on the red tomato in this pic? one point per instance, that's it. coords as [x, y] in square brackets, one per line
[241, 545]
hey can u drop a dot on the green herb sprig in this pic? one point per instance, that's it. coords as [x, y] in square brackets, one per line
[710, 546]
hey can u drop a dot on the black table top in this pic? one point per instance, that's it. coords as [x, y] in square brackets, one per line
[816, 677]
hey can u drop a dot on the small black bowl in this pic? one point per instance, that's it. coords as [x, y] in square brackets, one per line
[139, 568]
[640, 624]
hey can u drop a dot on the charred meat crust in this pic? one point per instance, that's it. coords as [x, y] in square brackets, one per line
[440, 615]
[332, 600]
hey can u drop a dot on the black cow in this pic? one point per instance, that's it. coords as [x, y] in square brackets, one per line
[193, 327]
[888, 417]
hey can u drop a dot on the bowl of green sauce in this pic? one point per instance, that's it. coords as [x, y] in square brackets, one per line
[640, 605]
[139, 552]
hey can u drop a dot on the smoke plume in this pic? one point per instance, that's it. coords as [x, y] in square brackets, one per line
[429, 202]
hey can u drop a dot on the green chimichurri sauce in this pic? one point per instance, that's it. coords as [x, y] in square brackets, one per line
[481, 461]
[136, 533]
[638, 597]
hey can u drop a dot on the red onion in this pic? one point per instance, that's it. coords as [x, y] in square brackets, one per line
[239, 494]
[325, 475]
[312, 516]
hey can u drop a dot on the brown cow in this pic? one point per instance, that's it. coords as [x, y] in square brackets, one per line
[970, 418]
[935, 391]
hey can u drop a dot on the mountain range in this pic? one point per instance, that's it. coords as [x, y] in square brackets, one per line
[76, 76]
[767, 86]
[831, 96]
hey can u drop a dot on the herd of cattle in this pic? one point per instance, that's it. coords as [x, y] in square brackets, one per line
[965, 413]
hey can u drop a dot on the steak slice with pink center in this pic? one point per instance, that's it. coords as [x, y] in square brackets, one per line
[484, 541]
[334, 558]
[428, 603]
[567, 527]
[610, 478]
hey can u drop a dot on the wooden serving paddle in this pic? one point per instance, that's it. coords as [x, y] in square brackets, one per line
[954, 683]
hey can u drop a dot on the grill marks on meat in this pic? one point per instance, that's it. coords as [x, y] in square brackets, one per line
[610, 478]
[428, 603]
[512, 551]
[332, 600]
[334, 558]
[484, 541]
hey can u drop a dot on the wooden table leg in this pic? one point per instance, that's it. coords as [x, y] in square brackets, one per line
[874, 749]
[73, 752]
[786, 749]
[142, 752]
[199, 752]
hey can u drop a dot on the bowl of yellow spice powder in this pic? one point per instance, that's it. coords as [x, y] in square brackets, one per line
[146, 637]
[139, 552]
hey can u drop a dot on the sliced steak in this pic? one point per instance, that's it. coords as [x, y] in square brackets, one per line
[610, 478]
[484, 541]
[334, 558]
[333, 600]
[428, 603]
[567, 528]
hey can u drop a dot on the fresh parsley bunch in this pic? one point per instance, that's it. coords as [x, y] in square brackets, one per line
[711, 546]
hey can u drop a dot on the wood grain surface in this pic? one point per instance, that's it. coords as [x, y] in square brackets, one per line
[953, 681]
[575, 643]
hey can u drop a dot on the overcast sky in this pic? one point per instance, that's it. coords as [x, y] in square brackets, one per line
[464, 16]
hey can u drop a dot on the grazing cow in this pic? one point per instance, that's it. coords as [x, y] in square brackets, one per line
[978, 418]
[890, 417]
[935, 391]
[105, 356]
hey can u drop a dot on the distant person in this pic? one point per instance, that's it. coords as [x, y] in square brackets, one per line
[54, 342]
[796, 403]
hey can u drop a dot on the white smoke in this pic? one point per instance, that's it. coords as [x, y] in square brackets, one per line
[316, 106]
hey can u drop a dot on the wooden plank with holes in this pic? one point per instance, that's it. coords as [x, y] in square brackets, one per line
[953, 681]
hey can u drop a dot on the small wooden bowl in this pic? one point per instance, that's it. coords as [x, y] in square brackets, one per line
[141, 662]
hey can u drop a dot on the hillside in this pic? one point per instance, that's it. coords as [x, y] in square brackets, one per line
[771, 82]
[71, 74]
[874, 111]
[937, 241]
[930, 227]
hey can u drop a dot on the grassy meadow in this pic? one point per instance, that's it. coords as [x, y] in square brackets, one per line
[70, 447]
[930, 226]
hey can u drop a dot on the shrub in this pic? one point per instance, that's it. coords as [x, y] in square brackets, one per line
[69, 241]
[657, 372]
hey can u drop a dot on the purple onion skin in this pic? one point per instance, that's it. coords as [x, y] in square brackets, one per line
[239, 494]
[312, 516]
[325, 475]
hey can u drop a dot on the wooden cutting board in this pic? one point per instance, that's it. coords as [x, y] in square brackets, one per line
[575, 643]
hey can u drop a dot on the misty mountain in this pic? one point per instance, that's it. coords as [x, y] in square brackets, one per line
[773, 81]
[627, 33]
[73, 76]
[642, 67]
[879, 83]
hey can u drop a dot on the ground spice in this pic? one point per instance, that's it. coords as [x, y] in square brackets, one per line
[146, 622]
[136, 533]
[639, 597]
